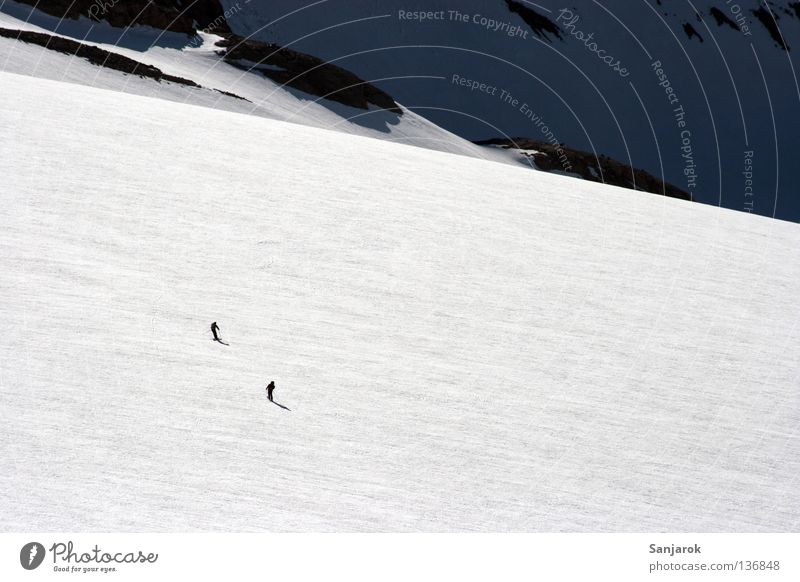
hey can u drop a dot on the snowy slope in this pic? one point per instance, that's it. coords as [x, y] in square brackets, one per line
[197, 60]
[738, 88]
[463, 345]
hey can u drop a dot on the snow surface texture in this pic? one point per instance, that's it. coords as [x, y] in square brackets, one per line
[464, 345]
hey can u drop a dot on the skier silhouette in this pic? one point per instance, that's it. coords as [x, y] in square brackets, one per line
[270, 389]
[215, 332]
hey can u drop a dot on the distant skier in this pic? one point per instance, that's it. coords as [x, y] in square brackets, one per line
[214, 330]
[270, 389]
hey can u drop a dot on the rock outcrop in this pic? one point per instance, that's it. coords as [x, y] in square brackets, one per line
[601, 168]
[304, 72]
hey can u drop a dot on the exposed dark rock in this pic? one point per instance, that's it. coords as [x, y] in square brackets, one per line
[234, 95]
[721, 18]
[765, 18]
[99, 57]
[304, 72]
[540, 24]
[182, 16]
[608, 171]
[691, 32]
[94, 55]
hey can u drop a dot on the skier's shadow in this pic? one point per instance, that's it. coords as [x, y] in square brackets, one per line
[281, 406]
